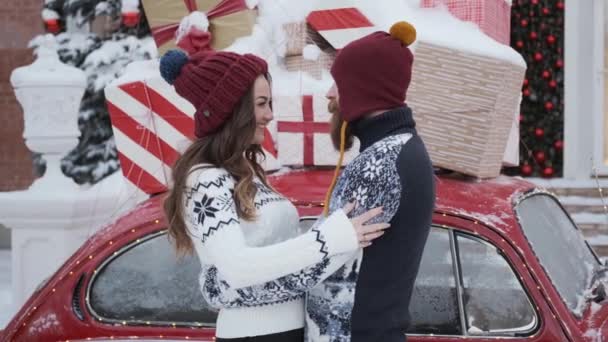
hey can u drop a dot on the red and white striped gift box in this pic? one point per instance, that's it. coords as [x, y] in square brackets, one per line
[340, 26]
[303, 132]
[492, 16]
[152, 125]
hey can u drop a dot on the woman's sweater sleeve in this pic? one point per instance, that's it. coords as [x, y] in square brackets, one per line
[216, 228]
[219, 294]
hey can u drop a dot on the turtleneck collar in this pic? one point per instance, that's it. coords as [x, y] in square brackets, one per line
[373, 129]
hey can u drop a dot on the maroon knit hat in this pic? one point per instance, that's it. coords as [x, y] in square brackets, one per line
[213, 82]
[374, 72]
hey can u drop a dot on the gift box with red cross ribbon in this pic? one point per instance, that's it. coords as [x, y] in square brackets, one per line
[303, 129]
[492, 16]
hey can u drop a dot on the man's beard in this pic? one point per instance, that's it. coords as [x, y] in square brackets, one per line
[335, 126]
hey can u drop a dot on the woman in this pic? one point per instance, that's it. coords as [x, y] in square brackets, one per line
[255, 266]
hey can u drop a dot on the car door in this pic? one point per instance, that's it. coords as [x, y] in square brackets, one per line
[467, 289]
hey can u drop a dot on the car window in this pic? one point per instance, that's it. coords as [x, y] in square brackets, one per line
[494, 300]
[434, 302]
[147, 283]
[559, 247]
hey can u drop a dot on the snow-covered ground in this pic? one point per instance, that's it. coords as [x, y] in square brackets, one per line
[6, 308]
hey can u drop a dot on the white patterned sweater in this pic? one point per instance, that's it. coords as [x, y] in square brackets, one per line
[256, 273]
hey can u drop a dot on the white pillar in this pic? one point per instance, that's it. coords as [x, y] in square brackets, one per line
[578, 90]
[51, 219]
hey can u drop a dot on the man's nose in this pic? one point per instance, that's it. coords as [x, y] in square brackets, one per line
[332, 92]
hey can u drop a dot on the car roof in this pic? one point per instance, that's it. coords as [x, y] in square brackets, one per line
[487, 201]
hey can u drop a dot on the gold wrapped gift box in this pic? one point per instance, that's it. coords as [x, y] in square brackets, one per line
[224, 29]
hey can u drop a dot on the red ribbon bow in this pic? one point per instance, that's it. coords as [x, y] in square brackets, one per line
[195, 40]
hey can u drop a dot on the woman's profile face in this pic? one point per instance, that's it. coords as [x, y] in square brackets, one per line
[262, 107]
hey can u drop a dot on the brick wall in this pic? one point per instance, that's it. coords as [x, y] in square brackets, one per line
[19, 22]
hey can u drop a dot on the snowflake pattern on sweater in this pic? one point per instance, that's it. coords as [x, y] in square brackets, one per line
[329, 305]
[211, 209]
[219, 294]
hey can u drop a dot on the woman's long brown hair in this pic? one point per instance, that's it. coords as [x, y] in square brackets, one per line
[230, 149]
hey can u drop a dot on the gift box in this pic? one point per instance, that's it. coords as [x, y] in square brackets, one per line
[492, 16]
[339, 25]
[464, 104]
[313, 67]
[300, 34]
[152, 125]
[303, 132]
[330, 28]
[228, 20]
[511, 157]
[296, 35]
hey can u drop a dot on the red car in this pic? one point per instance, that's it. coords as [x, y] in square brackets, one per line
[503, 261]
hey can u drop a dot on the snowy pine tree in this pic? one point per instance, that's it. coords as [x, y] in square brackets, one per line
[101, 38]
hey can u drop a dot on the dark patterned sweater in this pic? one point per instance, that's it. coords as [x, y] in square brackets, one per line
[367, 299]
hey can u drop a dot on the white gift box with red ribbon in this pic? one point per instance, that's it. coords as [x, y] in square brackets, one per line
[303, 132]
[152, 125]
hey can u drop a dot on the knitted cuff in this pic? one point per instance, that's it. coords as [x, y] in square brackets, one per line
[339, 233]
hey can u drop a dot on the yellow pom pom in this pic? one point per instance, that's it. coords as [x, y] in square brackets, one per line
[403, 31]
